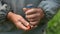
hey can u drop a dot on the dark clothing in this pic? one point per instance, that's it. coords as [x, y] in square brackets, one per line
[7, 27]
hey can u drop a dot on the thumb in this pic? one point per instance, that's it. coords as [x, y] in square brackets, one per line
[25, 9]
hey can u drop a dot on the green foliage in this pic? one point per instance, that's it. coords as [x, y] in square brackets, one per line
[54, 25]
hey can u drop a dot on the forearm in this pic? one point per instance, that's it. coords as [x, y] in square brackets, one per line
[50, 8]
[4, 10]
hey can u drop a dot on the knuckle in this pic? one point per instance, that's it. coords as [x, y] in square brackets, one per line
[26, 16]
[29, 16]
[26, 13]
[33, 9]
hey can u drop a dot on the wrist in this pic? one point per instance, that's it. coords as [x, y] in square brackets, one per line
[10, 14]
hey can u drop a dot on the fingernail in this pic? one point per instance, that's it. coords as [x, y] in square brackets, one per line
[28, 27]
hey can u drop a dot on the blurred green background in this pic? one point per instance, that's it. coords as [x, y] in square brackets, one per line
[54, 25]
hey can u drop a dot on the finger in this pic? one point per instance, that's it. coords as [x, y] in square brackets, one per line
[21, 26]
[34, 23]
[35, 19]
[31, 11]
[24, 21]
[32, 16]
[25, 9]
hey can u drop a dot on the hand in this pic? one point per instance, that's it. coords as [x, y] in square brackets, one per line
[18, 20]
[34, 15]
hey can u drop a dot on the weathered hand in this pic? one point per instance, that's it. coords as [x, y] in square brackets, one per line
[18, 20]
[34, 15]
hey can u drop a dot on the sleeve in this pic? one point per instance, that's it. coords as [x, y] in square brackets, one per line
[50, 8]
[4, 9]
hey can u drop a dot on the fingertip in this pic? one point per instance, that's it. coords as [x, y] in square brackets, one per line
[24, 9]
[29, 27]
[27, 24]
